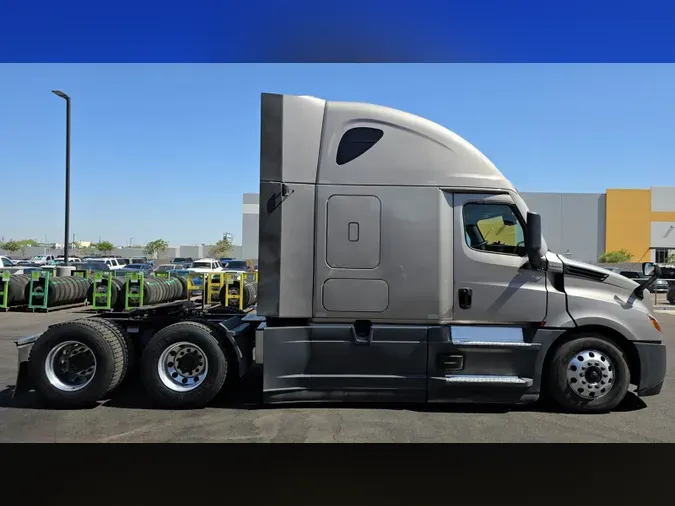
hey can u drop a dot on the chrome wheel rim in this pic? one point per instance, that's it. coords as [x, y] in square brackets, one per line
[183, 366]
[70, 366]
[591, 374]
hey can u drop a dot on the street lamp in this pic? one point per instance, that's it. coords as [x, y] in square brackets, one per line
[67, 231]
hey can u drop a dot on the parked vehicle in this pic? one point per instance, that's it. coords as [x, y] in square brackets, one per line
[111, 262]
[146, 269]
[237, 267]
[42, 259]
[671, 294]
[659, 286]
[6, 262]
[71, 261]
[186, 262]
[141, 260]
[205, 265]
[169, 268]
[347, 310]
[92, 267]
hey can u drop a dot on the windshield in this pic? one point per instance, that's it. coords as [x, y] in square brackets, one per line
[166, 267]
[39, 257]
[239, 265]
[136, 266]
[202, 265]
[181, 260]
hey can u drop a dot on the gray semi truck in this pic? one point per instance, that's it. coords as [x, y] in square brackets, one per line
[396, 263]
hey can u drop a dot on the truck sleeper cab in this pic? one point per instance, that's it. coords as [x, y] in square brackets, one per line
[396, 263]
[404, 266]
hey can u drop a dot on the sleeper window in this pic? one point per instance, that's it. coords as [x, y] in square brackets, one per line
[493, 228]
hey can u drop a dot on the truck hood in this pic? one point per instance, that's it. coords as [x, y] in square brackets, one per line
[593, 271]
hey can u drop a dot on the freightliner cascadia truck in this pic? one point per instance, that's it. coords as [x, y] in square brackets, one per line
[396, 263]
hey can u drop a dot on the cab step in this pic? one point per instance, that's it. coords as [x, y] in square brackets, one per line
[467, 379]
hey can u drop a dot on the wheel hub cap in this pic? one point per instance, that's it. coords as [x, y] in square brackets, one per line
[182, 367]
[590, 374]
[70, 366]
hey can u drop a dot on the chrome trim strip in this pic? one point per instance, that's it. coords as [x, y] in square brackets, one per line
[476, 333]
[499, 380]
[505, 344]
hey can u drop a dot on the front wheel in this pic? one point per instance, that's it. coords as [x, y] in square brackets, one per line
[588, 375]
[183, 366]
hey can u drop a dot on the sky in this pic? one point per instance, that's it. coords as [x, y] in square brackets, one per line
[166, 151]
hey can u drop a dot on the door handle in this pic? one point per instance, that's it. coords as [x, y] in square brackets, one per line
[465, 296]
[362, 332]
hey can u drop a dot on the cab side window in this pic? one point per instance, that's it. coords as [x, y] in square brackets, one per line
[493, 228]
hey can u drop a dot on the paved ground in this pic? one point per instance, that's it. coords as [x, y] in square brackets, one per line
[128, 419]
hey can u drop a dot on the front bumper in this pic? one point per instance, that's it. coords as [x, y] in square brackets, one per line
[653, 364]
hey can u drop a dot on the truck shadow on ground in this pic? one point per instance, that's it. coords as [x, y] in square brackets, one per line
[247, 396]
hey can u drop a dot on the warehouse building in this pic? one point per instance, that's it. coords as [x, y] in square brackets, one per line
[582, 226]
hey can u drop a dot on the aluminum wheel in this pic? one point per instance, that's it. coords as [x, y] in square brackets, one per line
[70, 366]
[183, 366]
[590, 374]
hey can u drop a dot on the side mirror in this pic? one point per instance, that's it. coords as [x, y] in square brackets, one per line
[533, 240]
[650, 268]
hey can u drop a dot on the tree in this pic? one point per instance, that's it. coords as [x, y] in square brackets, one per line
[221, 248]
[155, 248]
[11, 246]
[671, 259]
[615, 257]
[21, 245]
[26, 243]
[104, 246]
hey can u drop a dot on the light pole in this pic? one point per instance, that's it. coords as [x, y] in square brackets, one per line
[67, 231]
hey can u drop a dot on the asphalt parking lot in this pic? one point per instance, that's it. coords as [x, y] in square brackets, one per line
[127, 418]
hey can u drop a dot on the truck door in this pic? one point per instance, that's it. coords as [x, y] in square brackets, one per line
[492, 280]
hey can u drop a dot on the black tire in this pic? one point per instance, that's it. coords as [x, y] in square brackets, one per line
[128, 347]
[250, 294]
[16, 294]
[81, 285]
[70, 295]
[116, 293]
[199, 335]
[106, 348]
[184, 287]
[177, 289]
[232, 378]
[560, 390]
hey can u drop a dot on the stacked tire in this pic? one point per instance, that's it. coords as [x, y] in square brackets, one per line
[250, 294]
[159, 290]
[62, 290]
[116, 291]
[16, 290]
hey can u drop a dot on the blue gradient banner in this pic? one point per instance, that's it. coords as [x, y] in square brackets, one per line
[355, 31]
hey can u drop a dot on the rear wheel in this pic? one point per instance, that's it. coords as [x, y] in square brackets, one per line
[183, 366]
[77, 363]
[588, 375]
